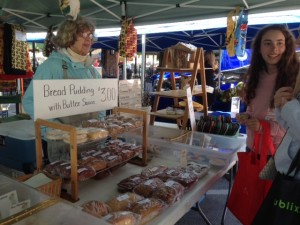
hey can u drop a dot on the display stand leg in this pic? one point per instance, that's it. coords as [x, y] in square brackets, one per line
[231, 171]
[202, 214]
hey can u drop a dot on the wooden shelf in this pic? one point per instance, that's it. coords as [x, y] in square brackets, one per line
[73, 146]
[163, 113]
[198, 66]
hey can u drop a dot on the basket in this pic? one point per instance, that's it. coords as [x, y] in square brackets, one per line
[52, 188]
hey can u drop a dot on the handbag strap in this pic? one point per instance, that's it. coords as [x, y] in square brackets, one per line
[295, 164]
[263, 143]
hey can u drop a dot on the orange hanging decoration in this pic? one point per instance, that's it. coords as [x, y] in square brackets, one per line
[131, 40]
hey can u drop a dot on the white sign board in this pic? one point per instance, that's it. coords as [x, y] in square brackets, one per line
[191, 108]
[58, 98]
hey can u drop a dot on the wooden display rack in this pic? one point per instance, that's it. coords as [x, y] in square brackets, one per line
[197, 66]
[73, 146]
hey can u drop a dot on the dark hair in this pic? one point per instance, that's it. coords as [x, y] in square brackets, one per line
[207, 58]
[69, 30]
[287, 67]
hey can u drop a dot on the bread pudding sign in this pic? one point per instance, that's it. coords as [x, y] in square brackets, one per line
[58, 98]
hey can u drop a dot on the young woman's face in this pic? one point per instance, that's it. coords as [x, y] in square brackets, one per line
[83, 43]
[272, 47]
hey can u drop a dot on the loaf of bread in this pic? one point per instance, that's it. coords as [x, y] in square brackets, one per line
[153, 171]
[168, 174]
[186, 178]
[85, 173]
[200, 170]
[51, 167]
[97, 133]
[123, 202]
[170, 192]
[96, 208]
[123, 218]
[148, 208]
[147, 187]
[93, 162]
[130, 182]
[55, 134]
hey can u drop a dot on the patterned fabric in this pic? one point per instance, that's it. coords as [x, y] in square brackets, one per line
[15, 50]
[19, 48]
[231, 26]
[1, 48]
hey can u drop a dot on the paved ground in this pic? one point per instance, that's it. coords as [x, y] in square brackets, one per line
[212, 206]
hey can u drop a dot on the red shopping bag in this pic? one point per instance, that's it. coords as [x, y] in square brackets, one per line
[248, 190]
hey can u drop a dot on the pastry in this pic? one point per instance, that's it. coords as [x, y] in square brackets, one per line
[96, 208]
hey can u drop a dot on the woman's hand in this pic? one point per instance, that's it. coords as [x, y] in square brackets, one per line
[282, 96]
[242, 117]
[253, 124]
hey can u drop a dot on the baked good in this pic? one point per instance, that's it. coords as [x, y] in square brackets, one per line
[200, 170]
[93, 123]
[130, 182]
[168, 173]
[186, 178]
[123, 202]
[147, 187]
[93, 162]
[80, 138]
[153, 171]
[64, 169]
[170, 192]
[113, 160]
[97, 133]
[122, 218]
[96, 208]
[51, 167]
[148, 208]
[85, 172]
[114, 129]
[55, 134]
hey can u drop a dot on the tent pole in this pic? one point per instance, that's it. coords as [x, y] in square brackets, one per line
[143, 62]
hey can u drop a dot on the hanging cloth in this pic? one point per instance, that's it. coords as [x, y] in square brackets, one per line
[15, 50]
[240, 34]
[1, 48]
[231, 26]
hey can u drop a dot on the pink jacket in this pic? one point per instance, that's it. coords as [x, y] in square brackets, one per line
[260, 108]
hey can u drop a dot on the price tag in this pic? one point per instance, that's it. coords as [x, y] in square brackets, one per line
[58, 98]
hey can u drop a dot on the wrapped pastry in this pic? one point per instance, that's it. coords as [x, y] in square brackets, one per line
[148, 208]
[123, 218]
[186, 178]
[168, 174]
[123, 202]
[93, 162]
[96, 208]
[199, 170]
[153, 171]
[147, 187]
[129, 183]
[170, 192]
[97, 133]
